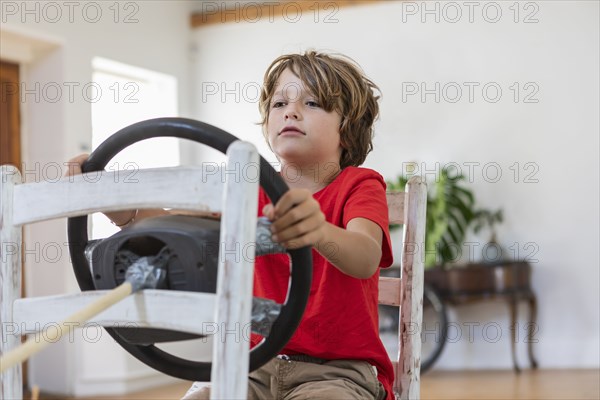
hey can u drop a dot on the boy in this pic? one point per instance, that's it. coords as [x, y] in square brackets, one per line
[317, 116]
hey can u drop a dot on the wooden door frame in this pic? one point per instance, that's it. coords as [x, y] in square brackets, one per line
[10, 128]
[10, 135]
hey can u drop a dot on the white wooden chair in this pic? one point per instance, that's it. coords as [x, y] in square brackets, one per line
[195, 189]
[408, 208]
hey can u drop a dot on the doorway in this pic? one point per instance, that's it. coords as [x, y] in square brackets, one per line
[10, 130]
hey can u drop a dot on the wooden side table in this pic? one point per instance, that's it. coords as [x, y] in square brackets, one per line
[508, 281]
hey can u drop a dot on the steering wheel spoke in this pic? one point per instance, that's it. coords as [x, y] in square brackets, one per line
[264, 314]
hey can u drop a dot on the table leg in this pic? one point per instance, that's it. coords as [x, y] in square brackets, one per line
[532, 328]
[513, 323]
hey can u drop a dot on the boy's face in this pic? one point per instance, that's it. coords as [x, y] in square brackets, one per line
[299, 130]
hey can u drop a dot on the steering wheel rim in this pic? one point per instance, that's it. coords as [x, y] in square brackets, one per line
[273, 185]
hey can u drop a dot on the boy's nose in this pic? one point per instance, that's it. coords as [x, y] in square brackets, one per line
[291, 113]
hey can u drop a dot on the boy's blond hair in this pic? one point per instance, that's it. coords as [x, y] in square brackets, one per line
[339, 84]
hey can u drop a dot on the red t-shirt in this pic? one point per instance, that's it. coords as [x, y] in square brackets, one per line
[341, 317]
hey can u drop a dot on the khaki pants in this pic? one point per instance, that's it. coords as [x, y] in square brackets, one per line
[303, 377]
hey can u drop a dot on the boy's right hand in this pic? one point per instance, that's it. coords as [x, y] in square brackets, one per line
[297, 220]
[74, 164]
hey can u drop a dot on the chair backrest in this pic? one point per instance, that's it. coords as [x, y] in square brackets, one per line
[408, 208]
[196, 189]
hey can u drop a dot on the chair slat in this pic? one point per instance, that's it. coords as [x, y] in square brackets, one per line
[389, 291]
[190, 188]
[395, 202]
[182, 311]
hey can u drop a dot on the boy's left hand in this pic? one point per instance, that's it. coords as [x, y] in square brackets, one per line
[297, 219]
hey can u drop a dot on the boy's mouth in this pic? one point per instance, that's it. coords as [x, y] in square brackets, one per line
[290, 129]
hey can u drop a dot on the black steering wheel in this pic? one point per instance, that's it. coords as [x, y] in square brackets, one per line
[301, 259]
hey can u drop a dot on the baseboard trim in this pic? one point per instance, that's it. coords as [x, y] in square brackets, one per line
[132, 383]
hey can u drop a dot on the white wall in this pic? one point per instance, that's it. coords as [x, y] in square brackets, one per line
[558, 135]
[55, 46]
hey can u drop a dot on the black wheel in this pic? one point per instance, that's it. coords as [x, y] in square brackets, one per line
[301, 259]
[434, 328]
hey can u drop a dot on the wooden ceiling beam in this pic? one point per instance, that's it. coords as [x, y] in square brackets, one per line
[223, 12]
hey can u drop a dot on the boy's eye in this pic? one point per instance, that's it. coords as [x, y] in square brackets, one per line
[277, 104]
[312, 103]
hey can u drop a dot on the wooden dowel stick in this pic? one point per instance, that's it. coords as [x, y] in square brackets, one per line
[30, 347]
[35, 392]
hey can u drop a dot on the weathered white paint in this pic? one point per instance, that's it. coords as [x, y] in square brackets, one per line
[395, 202]
[11, 383]
[196, 188]
[234, 282]
[390, 291]
[407, 208]
[65, 327]
[411, 309]
[151, 308]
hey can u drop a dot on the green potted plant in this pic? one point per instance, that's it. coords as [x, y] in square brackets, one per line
[451, 211]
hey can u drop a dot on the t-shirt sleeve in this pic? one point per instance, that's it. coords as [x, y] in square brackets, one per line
[367, 199]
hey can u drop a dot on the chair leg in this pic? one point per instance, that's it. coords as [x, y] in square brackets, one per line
[11, 381]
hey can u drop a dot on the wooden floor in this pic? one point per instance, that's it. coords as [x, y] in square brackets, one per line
[539, 384]
[464, 385]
